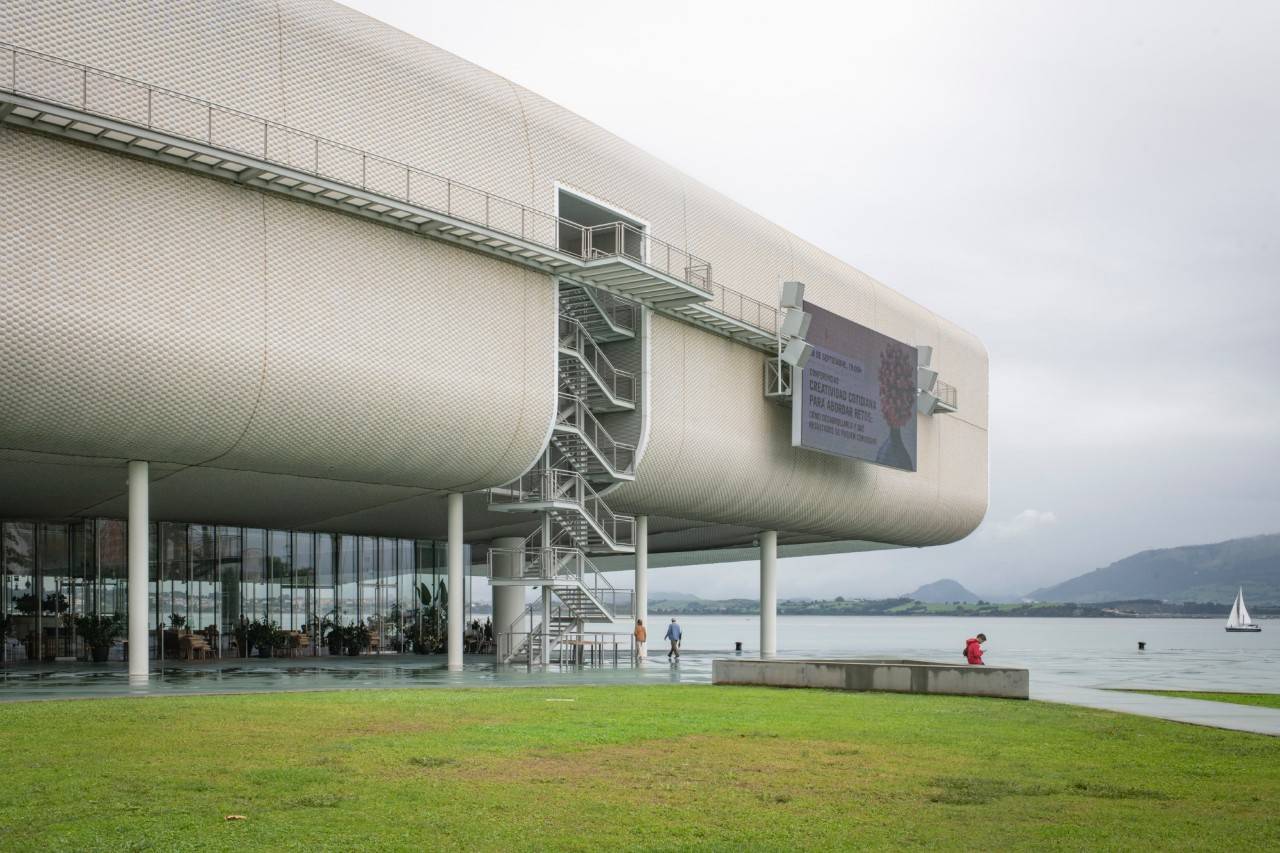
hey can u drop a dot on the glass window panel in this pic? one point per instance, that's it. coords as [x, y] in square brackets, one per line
[113, 569]
[20, 594]
[365, 607]
[326, 581]
[253, 586]
[302, 598]
[280, 579]
[205, 591]
[347, 579]
[173, 575]
[230, 548]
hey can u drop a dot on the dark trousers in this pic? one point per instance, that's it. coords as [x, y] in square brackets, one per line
[675, 648]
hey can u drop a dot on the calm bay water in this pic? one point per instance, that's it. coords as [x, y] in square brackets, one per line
[1181, 654]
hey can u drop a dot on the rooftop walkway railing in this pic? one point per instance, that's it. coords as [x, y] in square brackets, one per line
[93, 91]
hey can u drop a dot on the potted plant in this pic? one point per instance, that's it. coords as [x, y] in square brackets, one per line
[283, 642]
[262, 635]
[357, 637]
[100, 633]
[336, 636]
[176, 621]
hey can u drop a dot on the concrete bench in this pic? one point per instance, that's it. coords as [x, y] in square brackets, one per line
[894, 676]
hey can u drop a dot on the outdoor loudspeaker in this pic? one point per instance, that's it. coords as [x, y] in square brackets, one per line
[926, 378]
[792, 294]
[797, 353]
[924, 356]
[795, 323]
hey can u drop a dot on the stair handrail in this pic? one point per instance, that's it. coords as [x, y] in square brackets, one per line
[617, 311]
[621, 384]
[574, 412]
[541, 485]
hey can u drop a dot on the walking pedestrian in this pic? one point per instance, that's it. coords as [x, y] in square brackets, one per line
[673, 634]
[642, 638]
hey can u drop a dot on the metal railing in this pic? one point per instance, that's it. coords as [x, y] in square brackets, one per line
[565, 644]
[616, 311]
[551, 485]
[620, 312]
[619, 455]
[621, 239]
[620, 384]
[739, 306]
[539, 563]
[116, 97]
[945, 392]
[565, 567]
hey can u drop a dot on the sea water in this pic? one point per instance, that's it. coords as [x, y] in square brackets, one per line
[1180, 654]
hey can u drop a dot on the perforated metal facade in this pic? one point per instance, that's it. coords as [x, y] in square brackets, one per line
[355, 373]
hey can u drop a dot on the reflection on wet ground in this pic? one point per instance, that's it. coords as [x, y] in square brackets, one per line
[24, 682]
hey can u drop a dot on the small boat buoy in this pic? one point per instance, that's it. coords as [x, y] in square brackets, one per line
[737, 646]
[1141, 646]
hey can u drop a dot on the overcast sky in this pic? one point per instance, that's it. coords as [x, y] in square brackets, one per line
[1091, 188]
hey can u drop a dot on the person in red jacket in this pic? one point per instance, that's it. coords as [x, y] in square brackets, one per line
[973, 649]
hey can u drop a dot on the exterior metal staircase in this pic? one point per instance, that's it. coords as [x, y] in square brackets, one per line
[604, 316]
[580, 456]
[589, 372]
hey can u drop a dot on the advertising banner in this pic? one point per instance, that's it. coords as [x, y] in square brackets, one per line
[857, 395]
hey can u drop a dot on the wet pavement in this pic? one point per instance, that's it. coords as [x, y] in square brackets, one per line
[1067, 683]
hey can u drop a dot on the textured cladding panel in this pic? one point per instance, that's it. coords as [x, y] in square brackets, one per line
[381, 369]
[354, 80]
[130, 327]
[136, 328]
[571, 150]
[747, 252]
[227, 52]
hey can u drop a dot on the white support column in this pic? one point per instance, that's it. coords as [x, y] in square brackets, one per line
[508, 601]
[455, 580]
[768, 593]
[546, 625]
[642, 569]
[138, 554]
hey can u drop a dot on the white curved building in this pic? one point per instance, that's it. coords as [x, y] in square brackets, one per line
[320, 276]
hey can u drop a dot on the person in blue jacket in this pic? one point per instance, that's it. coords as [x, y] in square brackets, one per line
[673, 634]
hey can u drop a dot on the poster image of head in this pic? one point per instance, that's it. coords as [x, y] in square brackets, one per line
[857, 395]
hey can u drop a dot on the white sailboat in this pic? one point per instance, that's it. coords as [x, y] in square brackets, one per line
[1239, 619]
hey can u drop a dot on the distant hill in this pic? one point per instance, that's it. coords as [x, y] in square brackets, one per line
[1190, 573]
[945, 591]
[673, 596]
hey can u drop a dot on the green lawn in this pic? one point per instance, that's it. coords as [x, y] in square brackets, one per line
[620, 767]
[1266, 700]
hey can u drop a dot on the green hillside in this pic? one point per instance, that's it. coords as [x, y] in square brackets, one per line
[1190, 573]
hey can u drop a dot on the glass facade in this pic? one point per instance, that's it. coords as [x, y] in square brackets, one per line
[208, 581]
